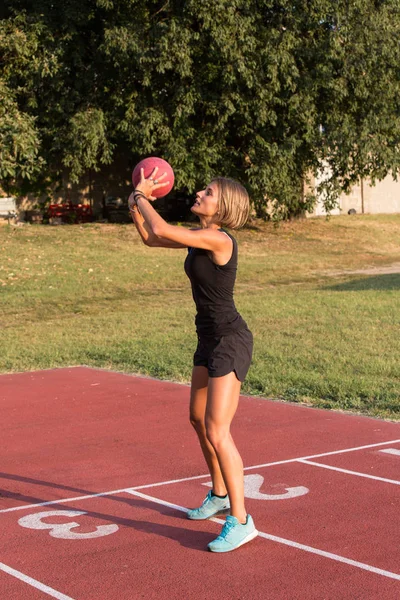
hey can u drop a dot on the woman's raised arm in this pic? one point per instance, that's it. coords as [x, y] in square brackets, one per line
[145, 232]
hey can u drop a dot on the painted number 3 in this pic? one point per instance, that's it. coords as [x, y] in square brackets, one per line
[64, 530]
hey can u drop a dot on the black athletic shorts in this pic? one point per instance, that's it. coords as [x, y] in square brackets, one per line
[221, 355]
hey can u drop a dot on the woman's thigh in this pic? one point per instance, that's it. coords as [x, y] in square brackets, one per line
[222, 400]
[198, 394]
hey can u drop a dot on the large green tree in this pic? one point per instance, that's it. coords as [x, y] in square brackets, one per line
[268, 91]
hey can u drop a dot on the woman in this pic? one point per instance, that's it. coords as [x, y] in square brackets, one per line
[224, 349]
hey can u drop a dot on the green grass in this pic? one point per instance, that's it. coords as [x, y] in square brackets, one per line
[95, 295]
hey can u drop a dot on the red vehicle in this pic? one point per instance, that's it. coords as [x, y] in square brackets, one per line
[71, 213]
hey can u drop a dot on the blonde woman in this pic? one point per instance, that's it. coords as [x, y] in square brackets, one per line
[225, 344]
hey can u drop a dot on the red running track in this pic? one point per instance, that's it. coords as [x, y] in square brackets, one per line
[98, 467]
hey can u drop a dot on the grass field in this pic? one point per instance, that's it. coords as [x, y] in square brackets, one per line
[94, 295]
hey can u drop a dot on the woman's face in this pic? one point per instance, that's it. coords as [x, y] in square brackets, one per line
[206, 203]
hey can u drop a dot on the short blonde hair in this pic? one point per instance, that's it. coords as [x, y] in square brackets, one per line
[233, 203]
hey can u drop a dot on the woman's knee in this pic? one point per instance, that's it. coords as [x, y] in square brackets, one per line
[217, 435]
[197, 423]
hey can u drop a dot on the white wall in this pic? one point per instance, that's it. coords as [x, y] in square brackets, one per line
[383, 198]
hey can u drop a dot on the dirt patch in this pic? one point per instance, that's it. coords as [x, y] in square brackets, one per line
[386, 270]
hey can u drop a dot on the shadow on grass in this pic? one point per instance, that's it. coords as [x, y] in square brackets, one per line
[378, 282]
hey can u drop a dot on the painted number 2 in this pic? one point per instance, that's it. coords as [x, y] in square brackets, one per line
[252, 486]
[64, 530]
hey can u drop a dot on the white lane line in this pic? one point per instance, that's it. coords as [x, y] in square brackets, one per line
[271, 464]
[62, 500]
[279, 540]
[322, 466]
[34, 583]
[395, 451]
[171, 481]
[336, 557]
[282, 462]
[163, 502]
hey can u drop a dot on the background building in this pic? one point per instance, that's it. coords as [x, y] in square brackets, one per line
[383, 197]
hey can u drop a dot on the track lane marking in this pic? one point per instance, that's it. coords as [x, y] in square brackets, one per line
[63, 500]
[271, 464]
[171, 481]
[34, 583]
[394, 451]
[347, 471]
[282, 462]
[284, 541]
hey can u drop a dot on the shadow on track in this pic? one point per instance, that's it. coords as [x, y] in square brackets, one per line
[185, 536]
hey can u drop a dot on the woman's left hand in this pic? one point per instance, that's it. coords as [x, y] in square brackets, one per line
[147, 186]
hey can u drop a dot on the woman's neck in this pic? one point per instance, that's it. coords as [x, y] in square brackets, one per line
[207, 223]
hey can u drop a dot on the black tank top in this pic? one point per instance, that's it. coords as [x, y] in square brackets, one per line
[212, 289]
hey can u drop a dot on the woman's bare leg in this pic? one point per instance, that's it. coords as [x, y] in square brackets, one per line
[198, 403]
[222, 402]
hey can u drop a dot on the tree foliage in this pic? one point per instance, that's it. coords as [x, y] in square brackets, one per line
[19, 139]
[268, 91]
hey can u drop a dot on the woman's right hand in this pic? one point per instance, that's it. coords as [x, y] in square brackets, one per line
[149, 185]
[134, 209]
[131, 201]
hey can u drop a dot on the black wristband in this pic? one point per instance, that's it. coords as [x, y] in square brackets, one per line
[137, 195]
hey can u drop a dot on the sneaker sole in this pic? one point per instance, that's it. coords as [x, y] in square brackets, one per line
[248, 538]
[223, 511]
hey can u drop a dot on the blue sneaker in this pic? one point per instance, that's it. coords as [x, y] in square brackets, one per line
[233, 535]
[210, 507]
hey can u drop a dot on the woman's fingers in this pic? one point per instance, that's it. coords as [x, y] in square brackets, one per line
[161, 177]
[156, 187]
[159, 185]
[153, 176]
[147, 186]
[153, 173]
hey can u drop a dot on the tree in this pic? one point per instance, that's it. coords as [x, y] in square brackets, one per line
[19, 135]
[19, 140]
[268, 91]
